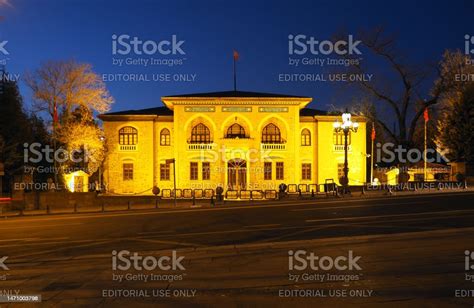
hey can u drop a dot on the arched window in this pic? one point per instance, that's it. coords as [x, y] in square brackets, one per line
[165, 137]
[271, 134]
[305, 137]
[200, 134]
[235, 131]
[128, 135]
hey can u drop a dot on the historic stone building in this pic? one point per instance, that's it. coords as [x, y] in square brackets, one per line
[237, 140]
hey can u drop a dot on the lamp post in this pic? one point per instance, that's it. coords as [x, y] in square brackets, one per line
[346, 127]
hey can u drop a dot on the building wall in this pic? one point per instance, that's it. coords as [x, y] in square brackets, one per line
[223, 150]
[141, 158]
[331, 157]
[149, 153]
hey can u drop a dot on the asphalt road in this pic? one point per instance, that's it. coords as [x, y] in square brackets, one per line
[411, 247]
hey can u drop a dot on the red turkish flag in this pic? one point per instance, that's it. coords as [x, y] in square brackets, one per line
[236, 55]
[426, 115]
[373, 133]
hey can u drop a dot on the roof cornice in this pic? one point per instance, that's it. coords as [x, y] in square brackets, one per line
[170, 101]
[125, 117]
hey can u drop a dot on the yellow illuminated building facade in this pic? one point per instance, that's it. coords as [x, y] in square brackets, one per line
[240, 141]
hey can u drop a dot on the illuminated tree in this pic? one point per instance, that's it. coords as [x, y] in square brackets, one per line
[80, 134]
[456, 126]
[59, 87]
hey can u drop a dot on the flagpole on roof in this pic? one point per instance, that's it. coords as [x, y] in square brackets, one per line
[236, 57]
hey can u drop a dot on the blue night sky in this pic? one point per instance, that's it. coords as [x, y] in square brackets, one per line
[38, 31]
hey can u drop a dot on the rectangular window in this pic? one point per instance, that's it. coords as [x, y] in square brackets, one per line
[127, 172]
[267, 170]
[279, 171]
[165, 139]
[338, 138]
[206, 171]
[193, 171]
[306, 171]
[164, 172]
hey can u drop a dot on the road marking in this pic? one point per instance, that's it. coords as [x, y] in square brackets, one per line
[30, 239]
[155, 232]
[231, 208]
[413, 219]
[390, 215]
[234, 231]
[166, 242]
[40, 225]
[21, 239]
[42, 252]
[262, 226]
[358, 206]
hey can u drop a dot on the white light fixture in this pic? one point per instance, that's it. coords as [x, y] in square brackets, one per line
[347, 123]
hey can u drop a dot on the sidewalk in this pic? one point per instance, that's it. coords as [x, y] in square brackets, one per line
[206, 203]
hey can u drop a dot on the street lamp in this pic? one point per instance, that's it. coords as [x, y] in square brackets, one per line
[346, 127]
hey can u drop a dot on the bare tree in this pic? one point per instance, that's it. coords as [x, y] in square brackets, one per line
[60, 86]
[402, 87]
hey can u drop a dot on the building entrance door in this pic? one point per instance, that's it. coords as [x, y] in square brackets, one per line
[237, 174]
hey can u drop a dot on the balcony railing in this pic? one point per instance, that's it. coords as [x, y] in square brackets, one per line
[127, 147]
[200, 146]
[340, 148]
[274, 146]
